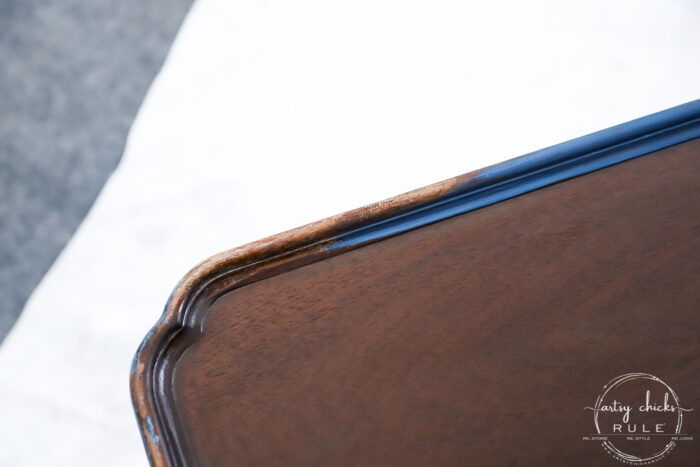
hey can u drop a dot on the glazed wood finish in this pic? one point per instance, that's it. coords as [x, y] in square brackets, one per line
[475, 340]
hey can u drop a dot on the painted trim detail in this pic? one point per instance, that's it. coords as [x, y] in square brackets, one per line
[546, 167]
[151, 372]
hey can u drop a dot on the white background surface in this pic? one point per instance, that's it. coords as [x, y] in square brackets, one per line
[268, 115]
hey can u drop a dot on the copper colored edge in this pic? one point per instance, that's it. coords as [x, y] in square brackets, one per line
[227, 262]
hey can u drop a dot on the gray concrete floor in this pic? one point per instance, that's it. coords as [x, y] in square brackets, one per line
[72, 76]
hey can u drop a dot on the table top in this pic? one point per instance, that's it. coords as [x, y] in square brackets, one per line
[469, 322]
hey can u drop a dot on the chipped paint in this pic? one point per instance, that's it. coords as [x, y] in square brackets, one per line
[134, 361]
[155, 439]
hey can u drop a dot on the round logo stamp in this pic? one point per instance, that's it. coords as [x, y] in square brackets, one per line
[638, 418]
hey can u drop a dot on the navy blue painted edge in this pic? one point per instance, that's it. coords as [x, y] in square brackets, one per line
[542, 168]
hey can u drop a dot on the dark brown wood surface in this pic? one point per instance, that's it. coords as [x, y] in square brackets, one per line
[477, 340]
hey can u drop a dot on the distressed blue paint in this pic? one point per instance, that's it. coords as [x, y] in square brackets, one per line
[542, 168]
[155, 439]
[134, 361]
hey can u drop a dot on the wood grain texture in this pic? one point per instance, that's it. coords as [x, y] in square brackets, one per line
[237, 267]
[476, 340]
